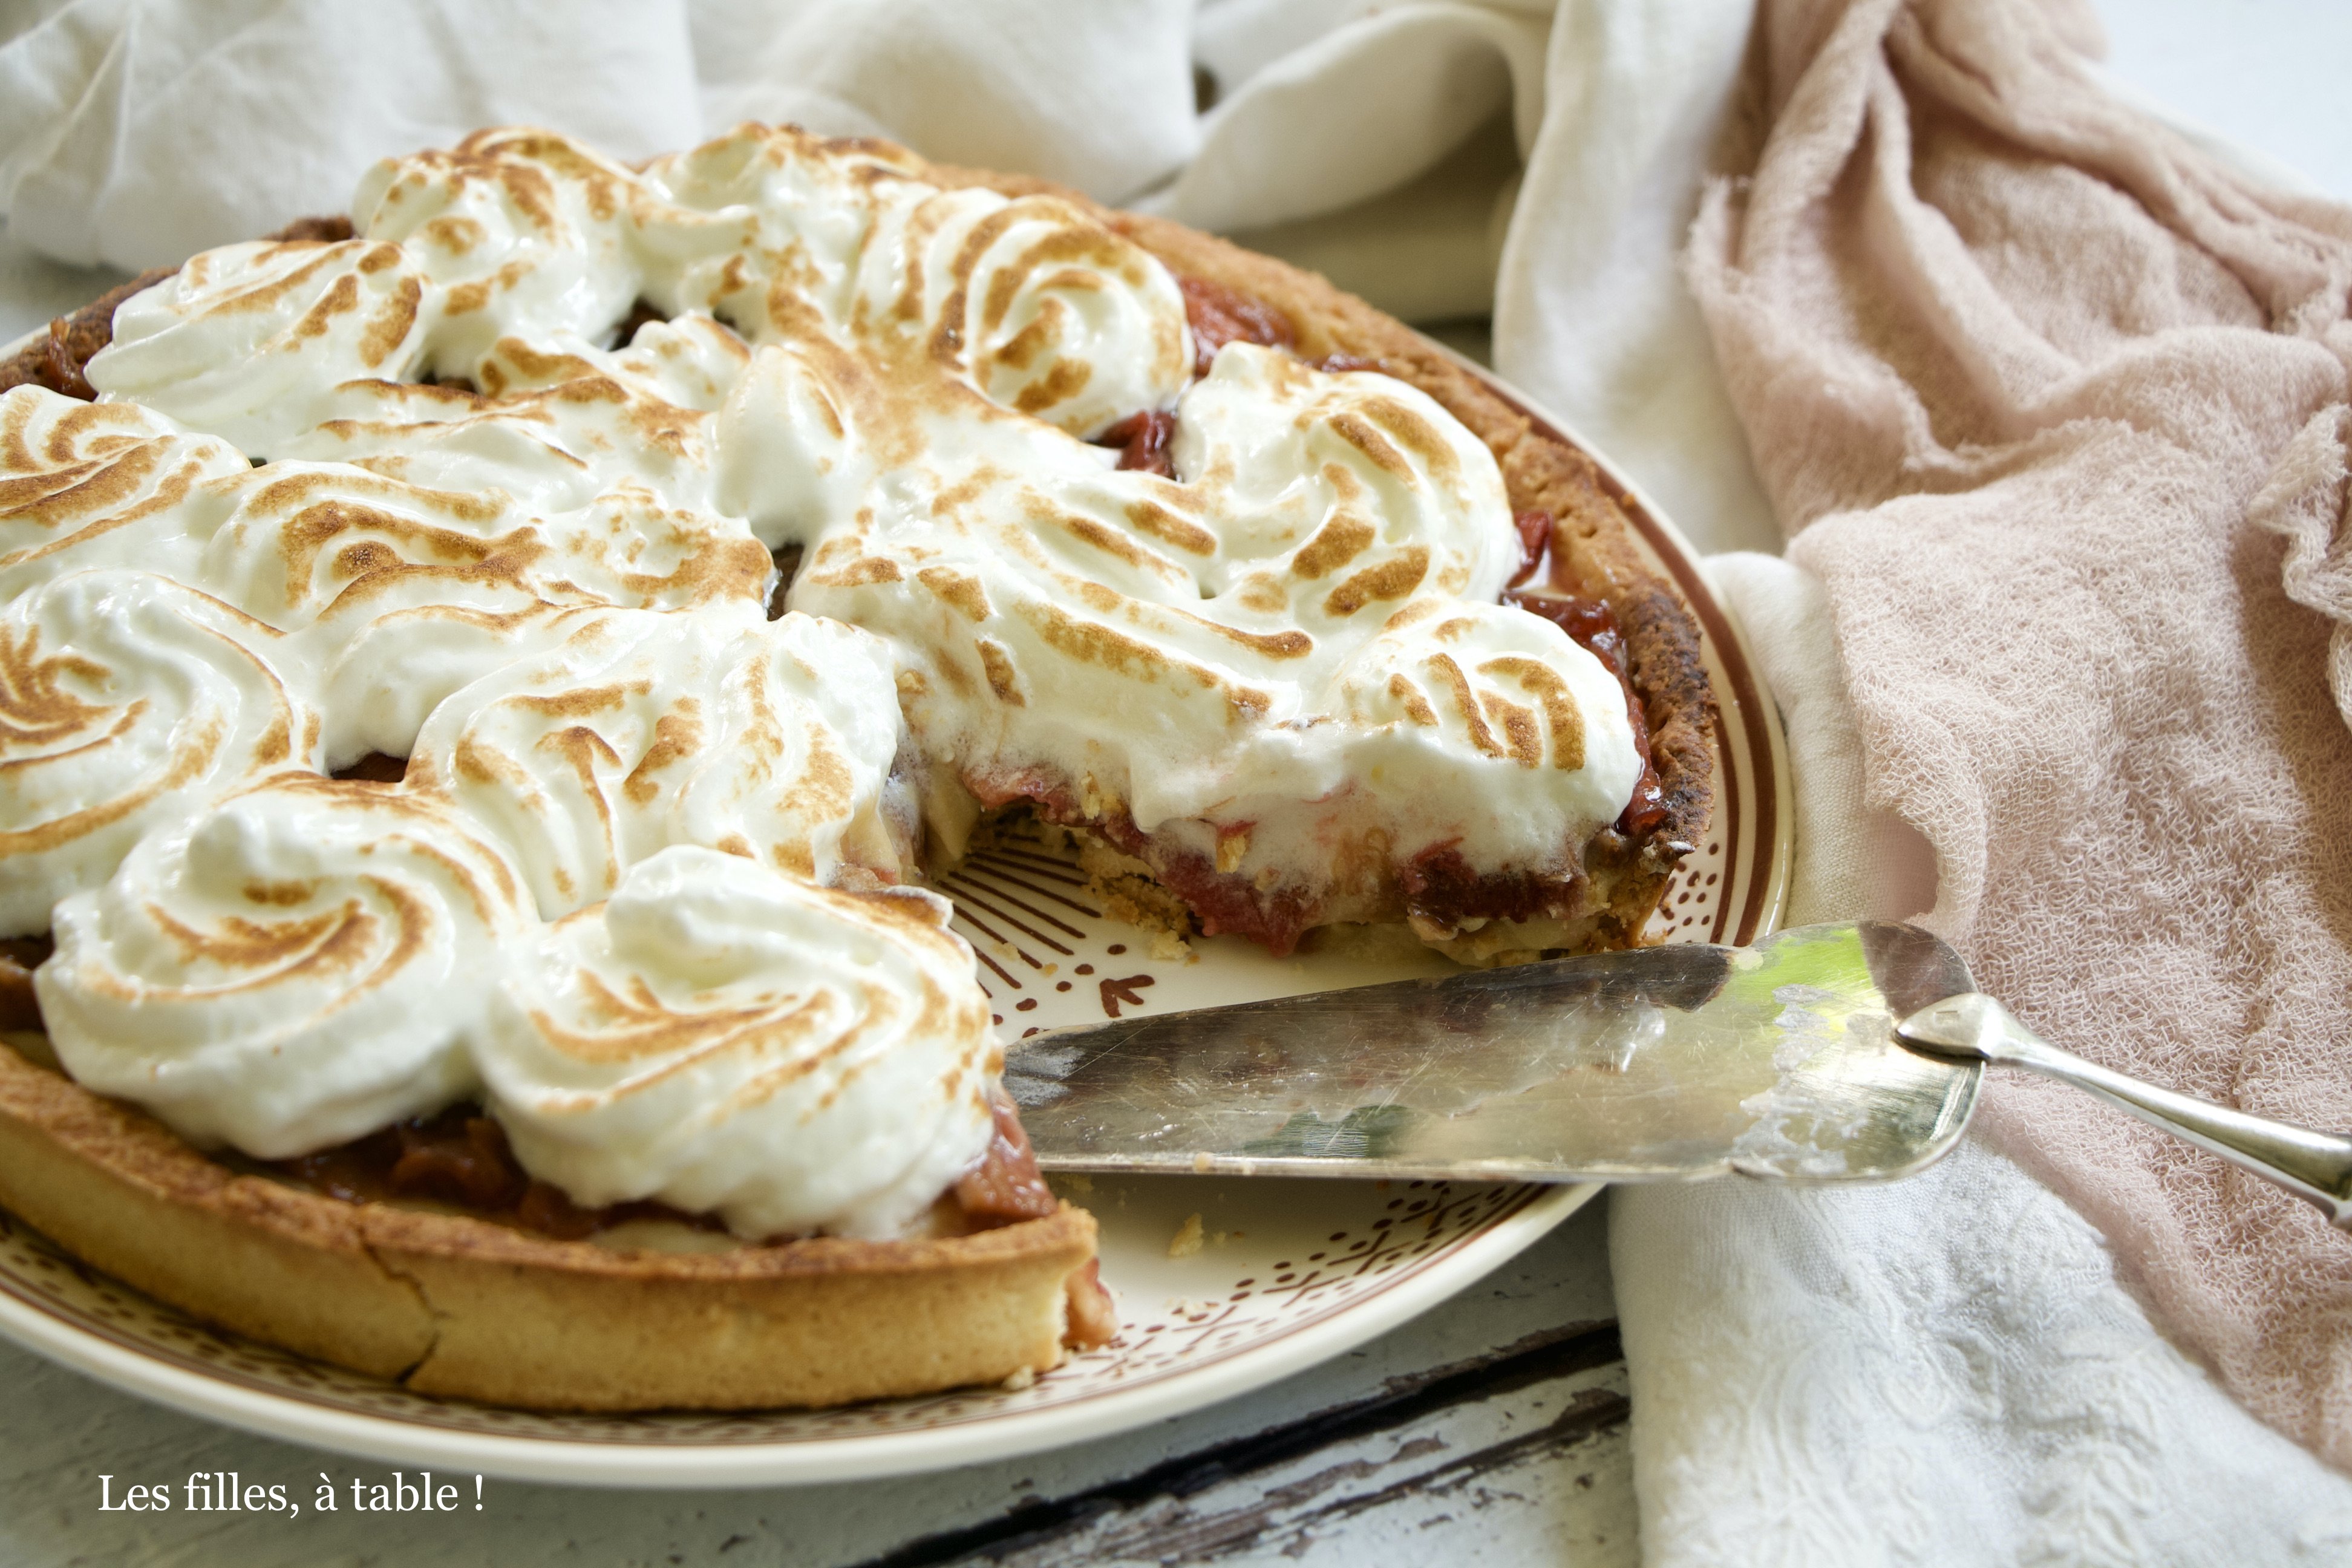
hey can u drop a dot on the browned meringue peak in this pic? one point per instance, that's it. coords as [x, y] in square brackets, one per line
[733, 1040]
[553, 427]
[235, 339]
[127, 704]
[526, 233]
[101, 484]
[498, 376]
[774, 741]
[1029, 302]
[1287, 660]
[302, 964]
[382, 661]
[305, 536]
[527, 250]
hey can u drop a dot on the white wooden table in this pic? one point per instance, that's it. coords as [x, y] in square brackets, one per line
[1493, 1429]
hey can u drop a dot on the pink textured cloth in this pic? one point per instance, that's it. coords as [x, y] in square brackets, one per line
[2055, 405]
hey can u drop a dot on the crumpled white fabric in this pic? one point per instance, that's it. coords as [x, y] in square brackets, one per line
[1353, 111]
[1941, 1370]
[1591, 315]
[137, 131]
[133, 132]
[1029, 85]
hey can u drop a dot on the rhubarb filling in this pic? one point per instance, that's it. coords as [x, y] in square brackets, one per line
[1438, 888]
[460, 1157]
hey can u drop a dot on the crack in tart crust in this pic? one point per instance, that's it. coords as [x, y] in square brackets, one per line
[453, 1303]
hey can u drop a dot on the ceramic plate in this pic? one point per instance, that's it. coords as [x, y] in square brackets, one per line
[1283, 1273]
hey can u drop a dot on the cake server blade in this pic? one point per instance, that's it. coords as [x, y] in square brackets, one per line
[1664, 1063]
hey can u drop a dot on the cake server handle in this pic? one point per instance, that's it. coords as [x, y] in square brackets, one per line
[2315, 1166]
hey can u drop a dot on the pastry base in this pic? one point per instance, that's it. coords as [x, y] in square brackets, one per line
[449, 1305]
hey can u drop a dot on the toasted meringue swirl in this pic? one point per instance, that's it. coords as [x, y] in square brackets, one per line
[295, 968]
[1291, 649]
[566, 424]
[304, 536]
[732, 1040]
[85, 485]
[127, 704]
[233, 342]
[386, 660]
[1026, 301]
[770, 740]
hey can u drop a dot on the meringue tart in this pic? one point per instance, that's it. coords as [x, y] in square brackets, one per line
[482, 684]
[448, 1303]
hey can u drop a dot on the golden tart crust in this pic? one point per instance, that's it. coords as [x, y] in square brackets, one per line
[449, 1305]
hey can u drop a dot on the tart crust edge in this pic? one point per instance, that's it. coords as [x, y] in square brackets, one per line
[452, 1306]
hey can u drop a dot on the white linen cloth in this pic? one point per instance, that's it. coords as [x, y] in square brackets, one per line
[1942, 1371]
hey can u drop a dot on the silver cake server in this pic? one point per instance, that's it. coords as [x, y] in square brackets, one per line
[1825, 1053]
